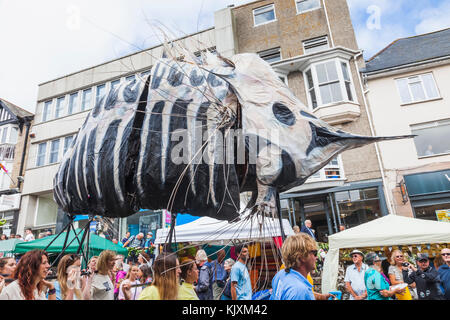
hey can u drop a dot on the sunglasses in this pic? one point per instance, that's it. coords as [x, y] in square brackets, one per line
[355, 255]
[399, 256]
[314, 252]
[445, 254]
[423, 260]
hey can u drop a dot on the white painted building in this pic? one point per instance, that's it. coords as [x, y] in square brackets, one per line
[408, 93]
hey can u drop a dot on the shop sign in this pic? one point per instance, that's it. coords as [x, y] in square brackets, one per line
[428, 183]
[443, 215]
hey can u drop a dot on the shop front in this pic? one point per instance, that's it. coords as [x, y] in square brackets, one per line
[350, 204]
[429, 193]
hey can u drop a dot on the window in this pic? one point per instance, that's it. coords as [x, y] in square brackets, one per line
[130, 78]
[4, 134]
[307, 5]
[271, 55]
[331, 171]
[42, 148]
[67, 142]
[328, 78]
[432, 138]
[115, 84]
[87, 97]
[347, 81]
[59, 107]
[13, 135]
[311, 90]
[47, 111]
[146, 73]
[100, 93]
[328, 82]
[54, 150]
[417, 88]
[264, 15]
[73, 103]
[315, 45]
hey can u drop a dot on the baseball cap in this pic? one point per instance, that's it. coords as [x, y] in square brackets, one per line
[422, 256]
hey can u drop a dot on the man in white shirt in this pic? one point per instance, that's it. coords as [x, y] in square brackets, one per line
[354, 277]
[29, 235]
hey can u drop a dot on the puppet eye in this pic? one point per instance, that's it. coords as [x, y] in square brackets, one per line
[283, 114]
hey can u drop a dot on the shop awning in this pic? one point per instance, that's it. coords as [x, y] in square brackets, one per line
[9, 245]
[96, 244]
[390, 230]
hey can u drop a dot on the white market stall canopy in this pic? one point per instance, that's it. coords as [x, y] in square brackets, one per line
[209, 230]
[389, 230]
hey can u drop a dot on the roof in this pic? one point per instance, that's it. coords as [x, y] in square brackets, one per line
[18, 111]
[410, 50]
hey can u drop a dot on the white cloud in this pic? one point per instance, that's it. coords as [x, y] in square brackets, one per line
[433, 19]
[42, 40]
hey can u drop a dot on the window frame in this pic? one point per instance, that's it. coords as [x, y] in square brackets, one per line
[309, 42]
[75, 103]
[97, 89]
[89, 103]
[270, 52]
[44, 155]
[338, 64]
[411, 96]
[264, 7]
[51, 152]
[47, 113]
[59, 112]
[429, 125]
[66, 145]
[301, 12]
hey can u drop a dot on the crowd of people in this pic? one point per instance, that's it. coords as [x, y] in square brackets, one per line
[366, 278]
[110, 276]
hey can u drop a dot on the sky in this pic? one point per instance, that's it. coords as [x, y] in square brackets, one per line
[45, 39]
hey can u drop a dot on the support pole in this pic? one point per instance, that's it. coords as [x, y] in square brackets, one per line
[280, 218]
[66, 228]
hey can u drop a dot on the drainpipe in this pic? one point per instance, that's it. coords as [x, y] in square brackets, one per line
[328, 23]
[372, 131]
[22, 162]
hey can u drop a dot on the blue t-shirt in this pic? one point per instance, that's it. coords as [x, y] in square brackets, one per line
[375, 282]
[291, 286]
[239, 274]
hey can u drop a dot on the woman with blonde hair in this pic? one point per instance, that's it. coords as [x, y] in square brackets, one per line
[395, 272]
[126, 291]
[99, 285]
[189, 276]
[166, 273]
[68, 285]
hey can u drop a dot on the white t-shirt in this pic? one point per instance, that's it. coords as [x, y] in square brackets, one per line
[14, 292]
[102, 288]
[134, 292]
[29, 237]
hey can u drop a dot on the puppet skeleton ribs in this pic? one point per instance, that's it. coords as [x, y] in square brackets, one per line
[122, 158]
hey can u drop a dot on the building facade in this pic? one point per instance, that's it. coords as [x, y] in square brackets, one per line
[310, 44]
[15, 124]
[407, 81]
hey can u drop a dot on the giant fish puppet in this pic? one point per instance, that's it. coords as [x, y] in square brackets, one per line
[123, 159]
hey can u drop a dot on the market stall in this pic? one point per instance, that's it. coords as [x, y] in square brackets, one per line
[7, 247]
[263, 235]
[96, 244]
[389, 231]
